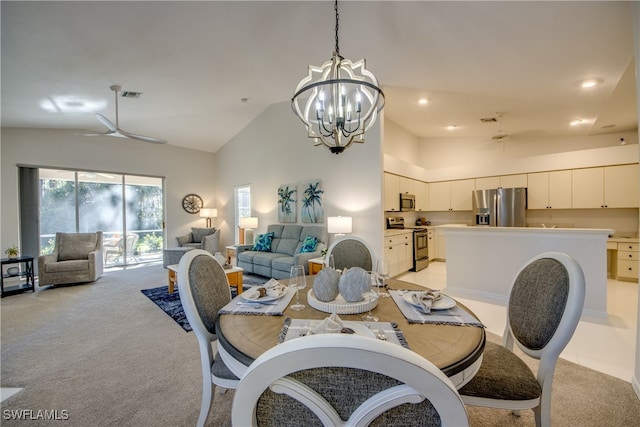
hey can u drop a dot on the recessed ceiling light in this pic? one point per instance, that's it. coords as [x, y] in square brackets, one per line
[589, 83]
[578, 122]
[423, 101]
[452, 127]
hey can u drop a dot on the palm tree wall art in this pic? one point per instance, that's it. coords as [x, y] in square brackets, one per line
[312, 209]
[287, 207]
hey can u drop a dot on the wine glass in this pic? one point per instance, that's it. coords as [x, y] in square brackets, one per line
[382, 274]
[370, 295]
[297, 281]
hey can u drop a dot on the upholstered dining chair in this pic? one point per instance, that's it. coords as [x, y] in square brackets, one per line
[323, 380]
[544, 308]
[204, 290]
[351, 251]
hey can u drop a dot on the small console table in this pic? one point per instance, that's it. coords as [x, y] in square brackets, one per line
[25, 274]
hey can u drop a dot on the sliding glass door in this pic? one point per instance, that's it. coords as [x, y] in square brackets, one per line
[128, 209]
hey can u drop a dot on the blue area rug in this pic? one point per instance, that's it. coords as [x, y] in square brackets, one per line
[170, 303]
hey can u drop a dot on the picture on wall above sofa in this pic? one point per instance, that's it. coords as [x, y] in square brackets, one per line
[287, 204]
[312, 209]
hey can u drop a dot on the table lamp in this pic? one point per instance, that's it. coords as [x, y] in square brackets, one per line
[339, 225]
[247, 225]
[208, 213]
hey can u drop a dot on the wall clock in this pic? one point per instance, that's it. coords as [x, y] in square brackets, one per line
[192, 203]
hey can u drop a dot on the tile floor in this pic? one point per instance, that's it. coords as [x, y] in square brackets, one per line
[606, 345]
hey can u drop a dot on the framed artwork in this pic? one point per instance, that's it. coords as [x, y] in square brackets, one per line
[312, 209]
[287, 205]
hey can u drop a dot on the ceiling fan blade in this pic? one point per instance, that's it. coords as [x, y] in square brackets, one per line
[142, 137]
[106, 122]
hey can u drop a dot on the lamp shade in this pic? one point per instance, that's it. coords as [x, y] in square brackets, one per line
[339, 224]
[250, 222]
[208, 213]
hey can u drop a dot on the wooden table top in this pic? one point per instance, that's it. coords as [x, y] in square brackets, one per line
[451, 348]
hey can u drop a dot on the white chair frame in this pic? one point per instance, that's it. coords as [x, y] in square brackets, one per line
[548, 355]
[421, 379]
[204, 337]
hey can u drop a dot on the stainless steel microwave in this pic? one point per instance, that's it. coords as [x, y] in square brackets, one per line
[407, 202]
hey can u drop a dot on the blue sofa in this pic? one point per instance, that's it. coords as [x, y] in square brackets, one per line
[285, 250]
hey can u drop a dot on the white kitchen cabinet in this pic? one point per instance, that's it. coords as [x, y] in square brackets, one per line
[432, 243]
[514, 181]
[549, 190]
[407, 185]
[451, 195]
[398, 252]
[422, 195]
[391, 192]
[441, 251]
[605, 187]
[621, 186]
[627, 268]
[487, 183]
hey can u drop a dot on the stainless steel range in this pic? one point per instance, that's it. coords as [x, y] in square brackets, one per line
[420, 242]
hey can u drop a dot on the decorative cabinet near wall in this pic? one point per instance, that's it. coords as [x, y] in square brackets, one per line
[549, 190]
[398, 252]
[513, 181]
[391, 192]
[605, 187]
[451, 195]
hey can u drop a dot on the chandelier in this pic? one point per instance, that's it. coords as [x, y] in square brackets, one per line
[338, 101]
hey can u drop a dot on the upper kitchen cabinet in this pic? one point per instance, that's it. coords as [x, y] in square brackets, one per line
[549, 190]
[621, 186]
[605, 187]
[391, 192]
[406, 185]
[513, 181]
[487, 183]
[422, 195]
[451, 195]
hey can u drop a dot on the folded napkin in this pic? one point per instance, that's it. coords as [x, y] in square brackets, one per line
[425, 299]
[330, 325]
[272, 288]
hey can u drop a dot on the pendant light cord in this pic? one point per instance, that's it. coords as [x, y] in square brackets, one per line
[337, 17]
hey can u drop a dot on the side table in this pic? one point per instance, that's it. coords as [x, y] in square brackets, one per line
[232, 253]
[25, 272]
[234, 276]
[315, 265]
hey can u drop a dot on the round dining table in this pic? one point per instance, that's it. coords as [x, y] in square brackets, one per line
[456, 350]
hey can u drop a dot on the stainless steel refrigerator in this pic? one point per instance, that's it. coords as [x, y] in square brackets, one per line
[500, 207]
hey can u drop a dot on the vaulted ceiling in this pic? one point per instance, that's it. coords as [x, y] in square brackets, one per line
[207, 68]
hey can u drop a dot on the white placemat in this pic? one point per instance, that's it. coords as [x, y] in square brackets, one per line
[453, 316]
[296, 328]
[239, 305]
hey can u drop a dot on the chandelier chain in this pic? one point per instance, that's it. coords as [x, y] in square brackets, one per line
[337, 18]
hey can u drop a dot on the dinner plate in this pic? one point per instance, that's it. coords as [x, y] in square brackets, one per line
[253, 294]
[443, 303]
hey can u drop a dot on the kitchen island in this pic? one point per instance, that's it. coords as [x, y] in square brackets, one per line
[482, 262]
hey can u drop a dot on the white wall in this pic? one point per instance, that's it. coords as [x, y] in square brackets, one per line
[274, 150]
[636, 37]
[185, 171]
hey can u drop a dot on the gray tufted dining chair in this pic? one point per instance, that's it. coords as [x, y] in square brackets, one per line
[351, 251]
[345, 380]
[204, 290]
[543, 312]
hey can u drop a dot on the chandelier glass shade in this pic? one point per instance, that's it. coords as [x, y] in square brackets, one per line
[338, 101]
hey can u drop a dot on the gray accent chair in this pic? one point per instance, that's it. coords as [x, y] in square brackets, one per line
[204, 290]
[201, 238]
[346, 380]
[544, 309]
[76, 258]
[285, 251]
[351, 251]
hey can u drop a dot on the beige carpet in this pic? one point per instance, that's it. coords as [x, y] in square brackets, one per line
[108, 356]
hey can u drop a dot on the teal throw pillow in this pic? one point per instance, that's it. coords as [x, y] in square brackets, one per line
[309, 245]
[263, 242]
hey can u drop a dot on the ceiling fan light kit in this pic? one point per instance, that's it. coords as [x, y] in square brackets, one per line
[114, 130]
[338, 101]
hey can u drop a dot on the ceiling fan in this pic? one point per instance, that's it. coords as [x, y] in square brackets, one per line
[500, 136]
[114, 130]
